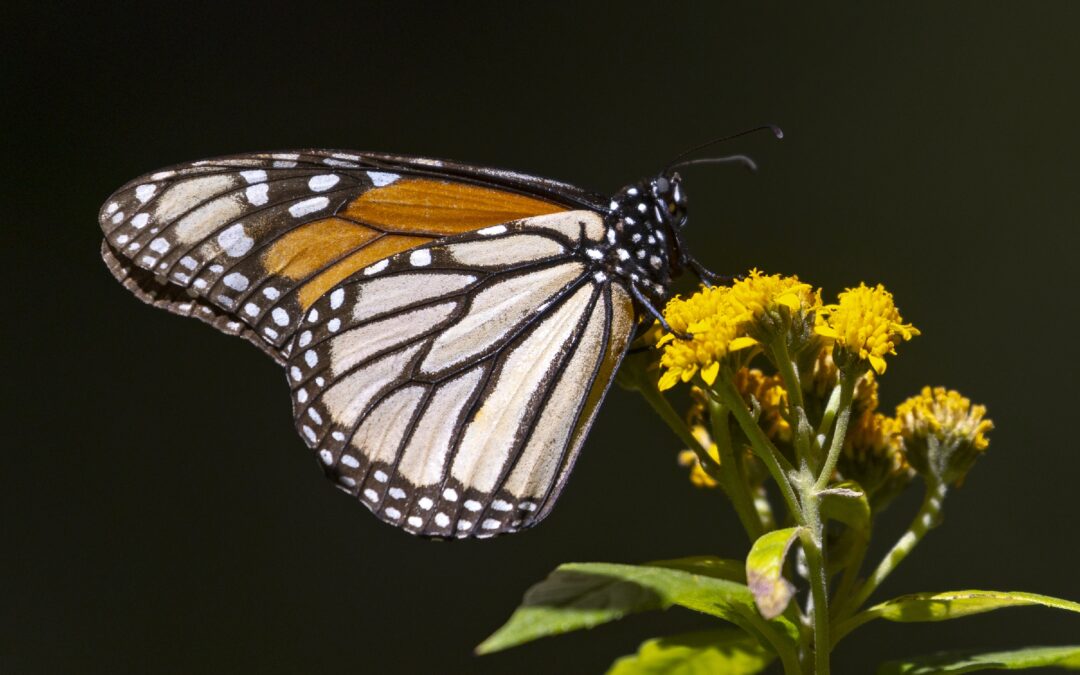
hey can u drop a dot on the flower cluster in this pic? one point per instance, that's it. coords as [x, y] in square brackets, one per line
[943, 432]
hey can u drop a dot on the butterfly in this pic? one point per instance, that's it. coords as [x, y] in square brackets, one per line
[448, 331]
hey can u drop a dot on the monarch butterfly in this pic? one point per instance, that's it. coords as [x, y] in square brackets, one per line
[448, 330]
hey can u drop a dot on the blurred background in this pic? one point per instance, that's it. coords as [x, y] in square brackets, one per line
[160, 514]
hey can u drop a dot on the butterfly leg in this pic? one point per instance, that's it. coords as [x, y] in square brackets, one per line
[648, 306]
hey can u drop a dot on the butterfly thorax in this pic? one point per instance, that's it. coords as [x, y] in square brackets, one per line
[642, 222]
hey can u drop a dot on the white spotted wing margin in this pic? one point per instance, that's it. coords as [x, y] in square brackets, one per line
[450, 388]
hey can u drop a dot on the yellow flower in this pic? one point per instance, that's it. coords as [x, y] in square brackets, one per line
[943, 432]
[758, 298]
[873, 455]
[866, 323]
[715, 332]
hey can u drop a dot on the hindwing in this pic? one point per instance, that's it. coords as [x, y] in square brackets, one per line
[450, 387]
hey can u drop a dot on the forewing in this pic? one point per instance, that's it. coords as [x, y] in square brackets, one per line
[450, 388]
[248, 243]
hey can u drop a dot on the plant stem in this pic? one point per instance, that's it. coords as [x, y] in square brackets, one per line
[779, 468]
[667, 413]
[926, 519]
[793, 386]
[731, 479]
[815, 560]
[829, 415]
[848, 377]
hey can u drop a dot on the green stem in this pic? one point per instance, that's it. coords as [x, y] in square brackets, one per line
[779, 468]
[848, 378]
[926, 519]
[815, 560]
[731, 479]
[788, 373]
[829, 415]
[847, 581]
[675, 422]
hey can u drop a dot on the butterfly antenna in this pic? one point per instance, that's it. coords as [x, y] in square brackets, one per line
[777, 131]
[729, 159]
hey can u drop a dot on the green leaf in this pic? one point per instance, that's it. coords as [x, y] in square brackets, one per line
[714, 651]
[970, 661]
[706, 566]
[846, 503]
[948, 605]
[764, 571]
[583, 595]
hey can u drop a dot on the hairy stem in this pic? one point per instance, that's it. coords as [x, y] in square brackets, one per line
[926, 519]
[779, 468]
[848, 378]
[731, 478]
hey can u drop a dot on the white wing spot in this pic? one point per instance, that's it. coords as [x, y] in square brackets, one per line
[280, 316]
[450, 494]
[188, 262]
[305, 338]
[295, 373]
[376, 268]
[122, 239]
[308, 206]
[381, 476]
[490, 524]
[238, 282]
[149, 260]
[111, 208]
[140, 220]
[593, 253]
[654, 261]
[501, 505]
[338, 436]
[253, 176]
[310, 433]
[258, 194]
[527, 506]
[472, 505]
[271, 293]
[144, 192]
[301, 395]
[350, 461]
[623, 254]
[117, 217]
[336, 298]
[489, 231]
[464, 525]
[333, 324]
[311, 358]
[326, 457]
[347, 481]
[442, 520]
[234, 241]
[425, 503]
[396, 493]
[420, 258]
[600, 277]
[314, 415]
[270, 333]
[371, 495]
[199, 283]
[160, 245]
[415, 521]
[313, 316]
[381, 178]
[323, 182]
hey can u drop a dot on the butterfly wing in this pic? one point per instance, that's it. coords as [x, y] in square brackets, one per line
[450, 387]
[248, 243]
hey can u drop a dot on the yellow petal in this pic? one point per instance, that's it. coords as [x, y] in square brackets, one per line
[878, 364]
[709, 372]
[666, 338]
[826, 331]
[741, 343]
[668, 380]
[789, 300]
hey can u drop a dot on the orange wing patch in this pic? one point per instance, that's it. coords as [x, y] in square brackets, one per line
[387, 220]
[438, 208]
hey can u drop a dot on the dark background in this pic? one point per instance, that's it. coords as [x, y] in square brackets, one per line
[159, 513]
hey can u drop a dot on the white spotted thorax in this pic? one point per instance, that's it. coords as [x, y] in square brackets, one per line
[642, 231]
